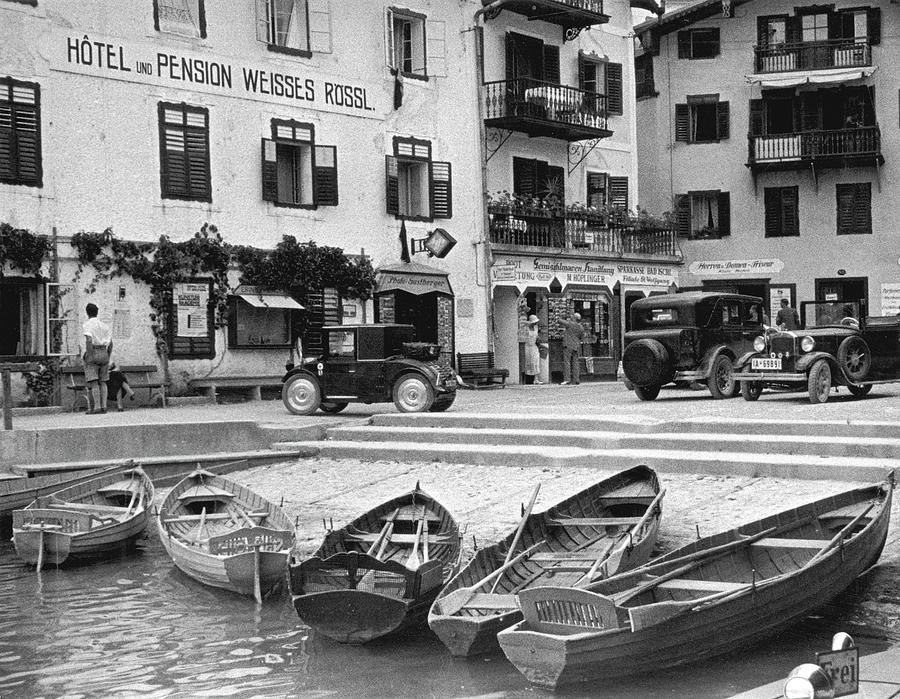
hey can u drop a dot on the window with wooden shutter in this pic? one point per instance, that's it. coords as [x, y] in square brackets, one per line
[724, 201]
[683, 215]
[410, 177]
[526, 174]
[682, 123]
[441, 190]
[319, 13]
[614, 100]
[184, 152]
[698, 43]
[392, 184]
[551, 64]
[291, 172]
[854, 208]
[20, 133]
[284, 25]
[722, 120]
[873, 25]
[643, 76]
[322, 308]
[325, 183]
[618, 192]
[436, 48]
[757, 117]
[781, 212]
[406, 42]
[596, 190]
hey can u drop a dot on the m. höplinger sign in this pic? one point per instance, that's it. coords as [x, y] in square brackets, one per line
[139, 62]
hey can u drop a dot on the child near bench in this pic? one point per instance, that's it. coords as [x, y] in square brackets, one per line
[118, 386]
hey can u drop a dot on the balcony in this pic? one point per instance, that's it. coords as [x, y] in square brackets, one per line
[568, 14]
[820, 148]
[538, 108]
[517, 227]
[812, 55]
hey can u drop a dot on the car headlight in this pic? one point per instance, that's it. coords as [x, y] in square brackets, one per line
[808, 681]
[807, 344]
[759, 343]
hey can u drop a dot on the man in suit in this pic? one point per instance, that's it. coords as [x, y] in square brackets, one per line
[787, 318]
[573, 334]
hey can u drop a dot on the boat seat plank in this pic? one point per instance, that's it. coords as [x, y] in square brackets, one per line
[124, 486]
[848, 512]
[485, 600]
[610, 500]
[563, 556]
[87, 507]
[214, 516]
[699, 585]
[595, 521]
[205, 492]
[401, 538]
[410, 514]
[777, 542]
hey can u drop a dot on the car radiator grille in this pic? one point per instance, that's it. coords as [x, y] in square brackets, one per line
[784, 345]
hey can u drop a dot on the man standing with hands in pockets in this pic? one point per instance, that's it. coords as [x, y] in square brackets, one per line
[573, 334]
[98, 347]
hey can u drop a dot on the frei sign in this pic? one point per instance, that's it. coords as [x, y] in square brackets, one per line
[523, 272]
[732, 268]
[184, 69]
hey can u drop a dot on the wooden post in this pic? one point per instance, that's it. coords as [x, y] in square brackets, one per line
[7, 399]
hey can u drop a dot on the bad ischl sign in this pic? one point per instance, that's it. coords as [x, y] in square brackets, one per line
[184, 69]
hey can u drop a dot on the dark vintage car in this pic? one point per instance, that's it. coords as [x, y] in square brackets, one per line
[837, 346]
[690, 337]
[370, 364]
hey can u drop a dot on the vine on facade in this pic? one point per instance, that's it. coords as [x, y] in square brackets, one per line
[22, 250]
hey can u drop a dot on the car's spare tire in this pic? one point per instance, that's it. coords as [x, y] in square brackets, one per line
[854, 357]
[647, 363]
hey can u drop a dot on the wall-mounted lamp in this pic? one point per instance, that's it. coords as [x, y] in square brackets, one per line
[438, 243]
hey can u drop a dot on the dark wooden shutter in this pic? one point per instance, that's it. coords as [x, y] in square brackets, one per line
[873, 22]
[232, 321]
[7, 171]
[862, 208]
[596, 189]
[683, 215]
[722, 120]
[392, 185]
[441, 190]
[269, 170]
[325, 175]
[810, 119]
[772, 199]
[844, 208]
[524, 177]
[762, 31]
[614, 88]
[551, 64]
[581, 64]
[724, 214]
[684, 44]
[757, 117]
[682, 123]
[510, 56]
[790, 210]
[618, 192]
[835, 25]
[196, 140]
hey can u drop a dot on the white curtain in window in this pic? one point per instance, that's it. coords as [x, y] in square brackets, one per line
[704, 212]
[288, 23]
[179, 17]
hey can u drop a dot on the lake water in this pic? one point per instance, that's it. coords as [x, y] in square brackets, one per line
[136, 626]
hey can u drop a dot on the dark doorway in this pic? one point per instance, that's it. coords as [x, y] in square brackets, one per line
[750, 287]
[843, 289]
[10, 320]
[420, 311]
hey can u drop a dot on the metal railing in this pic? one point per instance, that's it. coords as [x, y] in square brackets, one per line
[585, 231]
[595, 6]
[858, 141]
[537, 99]
[812, 55]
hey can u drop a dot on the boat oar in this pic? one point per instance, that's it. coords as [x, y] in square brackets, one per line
[40, 560]
[413, 562]
[425, 556]
[457, 599]
[257, 591]
[388, 525]
[839, 537]
[521, 527]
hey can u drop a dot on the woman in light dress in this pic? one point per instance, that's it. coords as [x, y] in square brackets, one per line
[532, 351]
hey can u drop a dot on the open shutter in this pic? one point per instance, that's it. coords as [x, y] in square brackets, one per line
[773, 208]
[389, 37]
[683, 215]
[581, 63]
[441, 190]
[262, 21]
[319, 25]
[524, 178]
[436, 60]
[596, 189]
[682, 123]
[269, 170]
[757, 117]
[835, 26]
[7, 172]
[197, 152]
[684, 44]
[790, 211]
[614, 88]
[724, 214]
[392, 185]
[326, 176]
[27, 127]
[510, 56]
[862, 208]
[722, 120]
[618, 192]
[873, 22]
[844, 208]
[762, 31]
[551, 64]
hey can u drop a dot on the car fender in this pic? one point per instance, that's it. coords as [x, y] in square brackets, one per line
[807, 360]
[706, 363]
[744, 360]
[408, 367]
[299, 370]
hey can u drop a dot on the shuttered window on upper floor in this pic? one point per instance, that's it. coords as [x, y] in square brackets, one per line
[703, 214]
[702, 42]
[184, 152]
[782, 211]
[20, 133]
[296, 171]
[415, 46]
[702, 119]
[602, 77]
[417, 187]
[854, 208]
[182, 17]
[299, 27]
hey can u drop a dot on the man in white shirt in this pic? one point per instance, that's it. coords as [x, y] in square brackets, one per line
[98, 347]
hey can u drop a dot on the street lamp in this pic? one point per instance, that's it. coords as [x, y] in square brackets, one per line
[438, 243]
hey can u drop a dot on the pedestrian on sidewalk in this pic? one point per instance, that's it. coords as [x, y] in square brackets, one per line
[532, 351]
[98, 347]
[573, 334]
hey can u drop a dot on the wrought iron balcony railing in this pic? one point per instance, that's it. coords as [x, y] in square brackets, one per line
[804, 146]
[812, 55]
[569, 14]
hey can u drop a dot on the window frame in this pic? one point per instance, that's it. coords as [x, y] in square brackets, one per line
[39, 321]
[407, 149]
[684, 214]
[686, 114]
[201, 20]
[278, 48]
[858, 186]
[9, 84]
[645, 61]
[296, 142]
[234, 305]
[687, 42]
[784, 231]
[184, 108]
[404, 14]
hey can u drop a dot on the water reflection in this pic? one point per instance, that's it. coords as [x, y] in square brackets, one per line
[138, 626]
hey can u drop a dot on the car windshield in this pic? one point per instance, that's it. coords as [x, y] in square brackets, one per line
[817, 314]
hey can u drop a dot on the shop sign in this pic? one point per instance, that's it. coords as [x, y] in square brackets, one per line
[732, 268]
[413, 283]
[191, 302]
[71, 51]
[523, 272]
[890, 298]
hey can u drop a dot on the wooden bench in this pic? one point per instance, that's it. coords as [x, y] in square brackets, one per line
[253, 385]
[477, 369]
[139, 376]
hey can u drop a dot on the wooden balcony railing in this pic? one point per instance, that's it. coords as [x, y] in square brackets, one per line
[863, 141]
[531, 99]
[576, 231]
[812, 55]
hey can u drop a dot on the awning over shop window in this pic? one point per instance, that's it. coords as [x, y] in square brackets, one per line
[819, 77]
[267, 298]
[413, 278]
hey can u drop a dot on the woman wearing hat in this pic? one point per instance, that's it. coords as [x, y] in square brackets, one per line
[532, 351]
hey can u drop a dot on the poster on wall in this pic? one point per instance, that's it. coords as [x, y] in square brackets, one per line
[890, 298]
[776, 293]
[191, 300]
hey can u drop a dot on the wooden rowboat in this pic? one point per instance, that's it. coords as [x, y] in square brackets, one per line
[606, 528]
[225, 535]
[705, 599]
[379, 574]
[93, 518]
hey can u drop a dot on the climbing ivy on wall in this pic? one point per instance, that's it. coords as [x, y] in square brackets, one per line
[22, 250]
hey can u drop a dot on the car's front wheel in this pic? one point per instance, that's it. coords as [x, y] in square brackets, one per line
[860, 391]
[721, 378]
[332, 407]
[413, 394]
[301, 394]
[819, 382]
[751, 390]
[646, 392]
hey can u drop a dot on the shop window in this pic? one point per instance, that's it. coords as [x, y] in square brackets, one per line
[643, 76]
[254, 324]
[418, 188]
[184, 152]
[192, 321]
[703, 214]
[854, 208]
[698, 43]
[183, 17]
[20, 133]
[22, 314]
[703, 119]
[295, 171]
[595, 318]
[782, 211]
